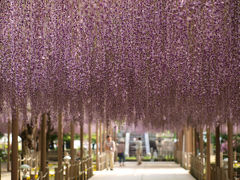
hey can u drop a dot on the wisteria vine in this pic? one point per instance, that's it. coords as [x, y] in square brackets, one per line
[163, 63]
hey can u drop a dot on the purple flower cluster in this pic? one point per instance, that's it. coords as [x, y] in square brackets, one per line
[161, 63]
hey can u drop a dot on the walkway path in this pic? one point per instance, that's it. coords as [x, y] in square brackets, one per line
[147, 171]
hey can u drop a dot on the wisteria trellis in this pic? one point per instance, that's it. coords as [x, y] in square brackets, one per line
[166, 63]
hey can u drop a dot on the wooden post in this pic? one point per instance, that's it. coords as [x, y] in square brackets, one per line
[72, 142]
[100, 137]
[14, 166]
[218, 146]
[9, 145]
[97, 146]
[0, 168]
[90, 145]
[195, 141]
[201, 143]
[208, 167]
[189, 145]
[230, 150]
[43, 144]
[60, 144]
[181, 146]
[67, 172]
[81, 150]
[56, 174]
[104, 136]
[71, 170]
[115, 139]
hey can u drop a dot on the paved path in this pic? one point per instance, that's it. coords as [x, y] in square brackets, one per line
[146, 171]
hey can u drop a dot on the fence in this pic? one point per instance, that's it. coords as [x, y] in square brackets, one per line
[186, 160]
[78, 170]
[218, 173]
[102, 161]
[197, 168]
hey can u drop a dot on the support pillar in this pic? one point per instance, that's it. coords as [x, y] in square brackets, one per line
[100, 137]
[9, 145]
[90, 145]
[188, 146]
[43, 144]
[217, 146]
[14, 166]
[201, 143]
[60, 142]
[104, 135]
[97, 145]
[230, 150]
[208, 163]
[81, 149]
[180, 146]
[72, 142]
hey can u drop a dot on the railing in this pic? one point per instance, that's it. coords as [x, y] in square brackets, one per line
[197, 168]
[102, 161]
[43, 176]
[32, 161]
[186, 160]
[218, 173]
[79, 169]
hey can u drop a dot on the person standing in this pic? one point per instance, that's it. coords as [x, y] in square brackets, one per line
[110, 149]
[139, 150]
[120, 151]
